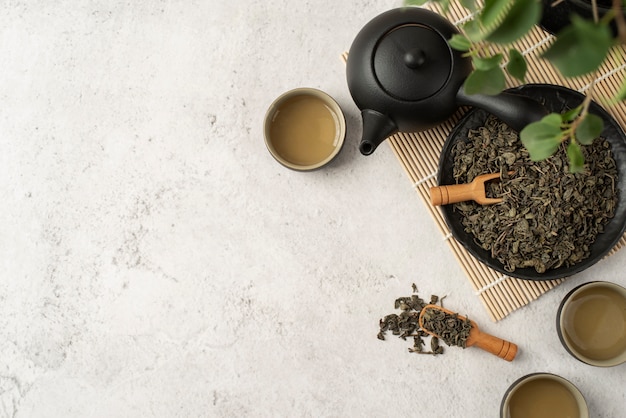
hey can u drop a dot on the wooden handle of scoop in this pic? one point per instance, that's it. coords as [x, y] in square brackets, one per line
[443, 195]
[494, 345]
[455, 193]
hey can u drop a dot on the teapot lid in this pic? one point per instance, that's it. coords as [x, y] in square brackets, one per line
[412, 62]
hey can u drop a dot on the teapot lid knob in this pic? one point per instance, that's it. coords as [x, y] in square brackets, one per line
[414, 58]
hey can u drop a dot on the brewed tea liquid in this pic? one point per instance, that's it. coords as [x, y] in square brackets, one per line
[595, 323]
[304, 130]
[543, 398]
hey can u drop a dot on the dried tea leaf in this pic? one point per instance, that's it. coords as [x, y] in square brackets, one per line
[550, 216]
[450, 328]
[406, 324]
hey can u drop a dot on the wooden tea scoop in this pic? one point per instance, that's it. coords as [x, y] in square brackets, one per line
[442, 195]
[501, 348]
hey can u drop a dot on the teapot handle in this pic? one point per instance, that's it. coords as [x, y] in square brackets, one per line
[515, 110]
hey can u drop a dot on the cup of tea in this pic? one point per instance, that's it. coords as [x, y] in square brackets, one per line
[543, 395]
[304, 129]
[591, 323]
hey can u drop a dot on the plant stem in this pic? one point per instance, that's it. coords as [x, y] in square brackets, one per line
[570, 132]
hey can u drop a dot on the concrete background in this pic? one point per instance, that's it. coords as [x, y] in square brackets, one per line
[157, 262]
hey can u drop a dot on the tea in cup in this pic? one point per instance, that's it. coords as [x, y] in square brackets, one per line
[591, 323]
[304, 129]
[543, 395]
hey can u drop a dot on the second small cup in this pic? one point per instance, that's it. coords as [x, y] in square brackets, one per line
[543, 395]
[591, 323]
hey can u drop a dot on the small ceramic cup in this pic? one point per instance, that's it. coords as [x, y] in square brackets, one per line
[591, 323]
[543, 395]
[304, 129]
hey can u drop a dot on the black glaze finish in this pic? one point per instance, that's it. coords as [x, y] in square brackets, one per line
[404, 76]
[516, 110]
[405, 96]
[556, 99]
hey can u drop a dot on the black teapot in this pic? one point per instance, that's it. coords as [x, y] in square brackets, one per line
[404, 76]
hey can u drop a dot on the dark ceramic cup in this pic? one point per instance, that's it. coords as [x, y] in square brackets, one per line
[543, 395]
[591, 323]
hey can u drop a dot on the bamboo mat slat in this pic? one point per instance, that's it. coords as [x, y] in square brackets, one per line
[418, 154]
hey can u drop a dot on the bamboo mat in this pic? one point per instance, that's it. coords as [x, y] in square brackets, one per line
[418, 153]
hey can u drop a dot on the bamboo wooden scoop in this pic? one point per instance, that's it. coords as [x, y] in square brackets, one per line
[442, 195]
[494, 345]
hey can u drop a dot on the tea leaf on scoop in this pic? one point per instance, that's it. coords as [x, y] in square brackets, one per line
[406, 324]
[450, 328]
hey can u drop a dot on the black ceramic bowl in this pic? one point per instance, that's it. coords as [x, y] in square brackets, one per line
[555, 99]
[556, 16]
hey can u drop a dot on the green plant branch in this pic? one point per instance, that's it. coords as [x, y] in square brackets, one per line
[581, 48]
[574, 124]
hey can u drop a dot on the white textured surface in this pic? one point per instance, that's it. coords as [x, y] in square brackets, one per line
[157, 262]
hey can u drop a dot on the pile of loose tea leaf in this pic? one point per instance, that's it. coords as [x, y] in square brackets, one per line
[453, 330]
[549, 217]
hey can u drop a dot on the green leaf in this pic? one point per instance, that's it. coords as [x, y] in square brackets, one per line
[517, 65]
[473, 31]
[459, 42]
[469, 4]
[492, 12]
[580, 48]
[576, 158]
[522, 16]
[542, 138]
[415, 2]
[571, 114]
[488, 82]
[589, 129]
[485, 64]
[553, 119]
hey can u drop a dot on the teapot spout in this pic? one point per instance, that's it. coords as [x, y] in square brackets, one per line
[516, 110]
[376, 128]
